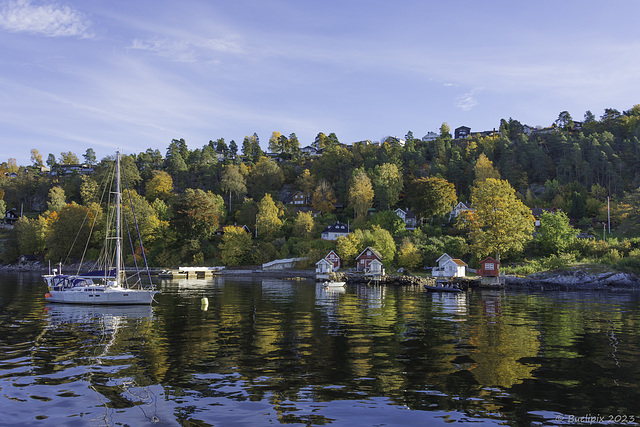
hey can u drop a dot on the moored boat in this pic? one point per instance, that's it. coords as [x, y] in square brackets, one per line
[108, 286]
[443, 287]
[332, 284]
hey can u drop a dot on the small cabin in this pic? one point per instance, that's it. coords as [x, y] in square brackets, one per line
[449, 267]
[489, 267]
[366, 257]
[324, 268]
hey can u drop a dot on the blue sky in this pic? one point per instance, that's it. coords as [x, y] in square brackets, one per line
[136, 74]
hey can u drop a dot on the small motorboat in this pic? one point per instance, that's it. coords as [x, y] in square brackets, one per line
[443, 287]
[333, 284]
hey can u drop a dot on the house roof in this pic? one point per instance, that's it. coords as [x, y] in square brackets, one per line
[324, 261]
[444, 255]
[375, 252]
[337, 227]
[489, 259]
[333, 252]
[462, 205]
[459, 262]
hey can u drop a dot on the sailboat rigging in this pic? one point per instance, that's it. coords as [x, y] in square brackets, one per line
[108, 286]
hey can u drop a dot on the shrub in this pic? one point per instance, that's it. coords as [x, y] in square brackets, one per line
[630, 264]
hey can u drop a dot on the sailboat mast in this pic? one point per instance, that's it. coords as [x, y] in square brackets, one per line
[118, 231]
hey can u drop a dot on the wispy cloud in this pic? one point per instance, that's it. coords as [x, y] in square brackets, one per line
[187, 51]
[467, 101]
[50, 20]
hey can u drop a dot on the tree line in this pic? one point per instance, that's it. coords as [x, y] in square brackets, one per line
[194, 202]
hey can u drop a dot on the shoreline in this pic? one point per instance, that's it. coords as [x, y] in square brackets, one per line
[577, 279]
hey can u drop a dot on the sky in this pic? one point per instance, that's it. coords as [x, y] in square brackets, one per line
[135, 74]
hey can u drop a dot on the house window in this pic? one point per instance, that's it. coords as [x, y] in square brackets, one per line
[488, 266]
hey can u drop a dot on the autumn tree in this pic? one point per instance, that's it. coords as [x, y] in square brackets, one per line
[31, 234]
[555, 233]
[57, 199]
[306, 182]
[500, 223]
[303, 225]
[432, 196]
[198, 213]
[68, 158]
[387, 183]
[160, 186]
[36, 158]
[383, 242]
[269, 217]
[89, 190]
[348, 247]
[236, 245]
[69, 232]
[408, 255]
[266, 176]
[484, 169]
[361, 193]
[140, 217]
[324, 197]
[233, 181]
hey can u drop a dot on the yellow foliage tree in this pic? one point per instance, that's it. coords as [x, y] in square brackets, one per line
[324, 198]
[269, 215]
[160, 186]
[361, 193]
[499, 223]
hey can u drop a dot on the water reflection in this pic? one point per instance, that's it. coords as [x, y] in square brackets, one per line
[272, 351]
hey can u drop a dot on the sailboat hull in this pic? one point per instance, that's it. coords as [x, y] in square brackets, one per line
[101, 296]
[85, 292]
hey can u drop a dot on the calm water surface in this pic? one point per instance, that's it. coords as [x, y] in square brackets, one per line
[270, 352]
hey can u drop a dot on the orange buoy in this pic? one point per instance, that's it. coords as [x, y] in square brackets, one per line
[47, 295]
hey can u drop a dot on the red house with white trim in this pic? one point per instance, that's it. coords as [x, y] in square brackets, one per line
[363, 261]
[334, 259]
[489, 267]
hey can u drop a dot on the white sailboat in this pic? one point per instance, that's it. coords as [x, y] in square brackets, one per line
[108, 286]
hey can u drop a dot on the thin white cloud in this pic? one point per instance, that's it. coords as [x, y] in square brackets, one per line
[50, 20]
[187, 51]
[467, 101]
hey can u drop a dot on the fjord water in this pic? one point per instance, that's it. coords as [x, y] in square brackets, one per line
[268, 352]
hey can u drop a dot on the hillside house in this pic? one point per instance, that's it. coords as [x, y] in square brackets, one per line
[430, 136]
[335, 230]
[298, 198]
[10, 216]
[458, 209]
[408, 217]
[462, 132]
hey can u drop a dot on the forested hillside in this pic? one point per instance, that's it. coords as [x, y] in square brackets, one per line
[186, 196]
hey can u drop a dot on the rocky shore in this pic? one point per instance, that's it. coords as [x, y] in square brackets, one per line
[574, 279]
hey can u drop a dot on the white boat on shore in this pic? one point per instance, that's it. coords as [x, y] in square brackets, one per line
[107, 286]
